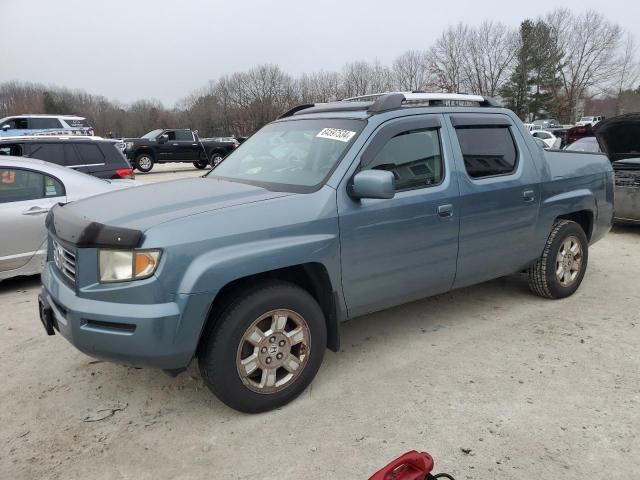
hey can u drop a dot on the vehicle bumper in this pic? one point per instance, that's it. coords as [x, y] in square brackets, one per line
[163, 335]
[627, 205]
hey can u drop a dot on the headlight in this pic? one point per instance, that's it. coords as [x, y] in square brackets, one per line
[128, 145]
[127, 265]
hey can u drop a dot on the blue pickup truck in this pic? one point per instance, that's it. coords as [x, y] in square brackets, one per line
[330, 212]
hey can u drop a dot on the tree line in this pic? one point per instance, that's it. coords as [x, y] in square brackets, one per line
[558, 65]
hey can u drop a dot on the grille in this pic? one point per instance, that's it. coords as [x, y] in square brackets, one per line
[65, 260]
[627, 179]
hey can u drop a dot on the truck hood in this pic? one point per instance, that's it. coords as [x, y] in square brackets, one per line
[619, 137]
[143, 207]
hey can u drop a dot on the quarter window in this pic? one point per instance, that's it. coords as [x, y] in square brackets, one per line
[90, 154]
[413, 157]
[487, 151]
[18, 185]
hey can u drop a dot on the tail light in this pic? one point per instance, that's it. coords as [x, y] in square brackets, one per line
[125, 173]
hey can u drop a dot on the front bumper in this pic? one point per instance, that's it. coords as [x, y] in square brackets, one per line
[161, 335]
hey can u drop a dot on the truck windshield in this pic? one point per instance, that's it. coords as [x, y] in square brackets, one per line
[152, 134]
[293, 155]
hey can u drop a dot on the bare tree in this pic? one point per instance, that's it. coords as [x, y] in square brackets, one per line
[489, 55]
[411, 70]
[628, 71]
[590, 43]
[447, 57]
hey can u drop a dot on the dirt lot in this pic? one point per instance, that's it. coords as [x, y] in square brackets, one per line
[493, 381]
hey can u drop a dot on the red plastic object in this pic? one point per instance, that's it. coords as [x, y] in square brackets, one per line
[410, 466]
[125, 173]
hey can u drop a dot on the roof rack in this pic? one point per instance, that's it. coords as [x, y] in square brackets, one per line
[382, 102]
[391, 100]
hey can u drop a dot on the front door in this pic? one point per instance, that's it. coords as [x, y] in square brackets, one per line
[404, 248]
[499, 197]
[25, 198]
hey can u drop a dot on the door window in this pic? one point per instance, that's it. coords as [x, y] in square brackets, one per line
[170, 134]
[45, 123]
[16, 123]
[11, 149]
[487, 151]
[49, 152]
[184, 136]
[17, 185]
[413, 157]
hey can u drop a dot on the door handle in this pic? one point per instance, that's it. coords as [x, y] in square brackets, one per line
[176, 144]
[35, 211]
[528, 195]
[445, 211]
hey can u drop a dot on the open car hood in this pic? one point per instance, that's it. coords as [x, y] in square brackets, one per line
[619, 137]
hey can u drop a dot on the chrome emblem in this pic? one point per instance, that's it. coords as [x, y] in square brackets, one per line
[58, 255]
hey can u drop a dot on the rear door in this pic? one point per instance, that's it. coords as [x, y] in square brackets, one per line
[188, 148]
[499, 197]
[25, 198]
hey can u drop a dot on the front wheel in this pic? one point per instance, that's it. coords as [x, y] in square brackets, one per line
[144, 162]
[560, 269]
[265, 349]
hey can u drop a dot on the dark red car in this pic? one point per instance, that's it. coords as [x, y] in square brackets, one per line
[575, 133]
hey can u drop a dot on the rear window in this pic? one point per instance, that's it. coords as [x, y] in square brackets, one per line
[90, 154]
[487, 151]
[45, 123]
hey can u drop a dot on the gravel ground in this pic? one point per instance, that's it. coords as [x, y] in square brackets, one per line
[494, 382]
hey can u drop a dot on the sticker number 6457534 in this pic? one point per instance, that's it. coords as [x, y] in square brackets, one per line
[336, 134]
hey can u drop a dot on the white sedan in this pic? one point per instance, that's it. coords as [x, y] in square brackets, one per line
[28, 189]
[547, 137]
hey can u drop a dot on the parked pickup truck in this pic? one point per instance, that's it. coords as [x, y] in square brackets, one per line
[176, 145]
[330, 212]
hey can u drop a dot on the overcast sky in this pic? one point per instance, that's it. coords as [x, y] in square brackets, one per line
[164, 49]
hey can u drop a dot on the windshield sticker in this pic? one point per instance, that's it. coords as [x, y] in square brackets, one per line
[336, 134]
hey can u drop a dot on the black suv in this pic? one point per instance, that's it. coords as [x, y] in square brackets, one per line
[98, 157]
[176, 145]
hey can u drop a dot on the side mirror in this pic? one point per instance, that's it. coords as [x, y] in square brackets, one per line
[164, 138]
[373, 184]
[6, 127]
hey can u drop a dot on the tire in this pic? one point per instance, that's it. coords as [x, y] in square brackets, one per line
[144, 162]
[228, 348]
[202, 164]
[216, 158]
[556, 274]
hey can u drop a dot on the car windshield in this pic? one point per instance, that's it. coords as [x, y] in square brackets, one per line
[586, 119]
[588, 144]
[152, 134]
[294, 155]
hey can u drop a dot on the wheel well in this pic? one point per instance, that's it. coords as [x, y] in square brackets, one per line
[140, 151]
[312, 277]
[584, 218]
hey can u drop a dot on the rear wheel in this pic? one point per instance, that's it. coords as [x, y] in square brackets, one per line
[144, 162]
[560, 269]
[202, 164]
[216, 158]
[266, 348]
